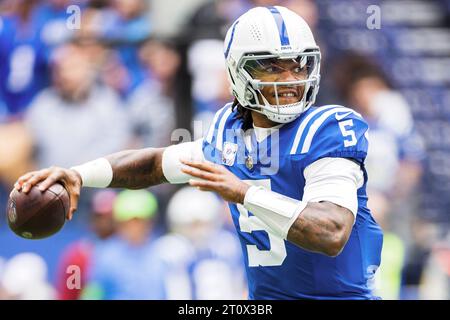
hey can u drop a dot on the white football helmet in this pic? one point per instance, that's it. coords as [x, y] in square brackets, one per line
[189, 205]
[262, 35]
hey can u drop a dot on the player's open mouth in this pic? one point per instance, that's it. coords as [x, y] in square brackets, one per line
[286, 94]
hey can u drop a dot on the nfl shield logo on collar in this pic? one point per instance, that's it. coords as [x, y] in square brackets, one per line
[229, 153]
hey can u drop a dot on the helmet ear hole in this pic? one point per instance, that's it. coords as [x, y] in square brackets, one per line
[249, 95]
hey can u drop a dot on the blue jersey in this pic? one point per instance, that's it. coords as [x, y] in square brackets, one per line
[23, 66]
[276, 268]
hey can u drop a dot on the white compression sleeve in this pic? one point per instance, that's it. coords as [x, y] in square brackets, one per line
[336, 180]
[276, 210]
[96, 174]
[329, 179]
[171, 164]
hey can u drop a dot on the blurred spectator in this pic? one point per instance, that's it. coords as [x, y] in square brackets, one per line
[23, 71]
[151, 106]
[87, 119]
[204, 260]
[90, 24]
[79, 254]
[53, 18]
[113, 71]
[126, 266]
[24, 277]
[205, 31]
[435, 282]
[125, 26]
[210, 88]
[115, 74]
[389, 276]
[128, 24]
[424, 238]
[394, 162]
[212, 19]
[16, 148]
[394, 142]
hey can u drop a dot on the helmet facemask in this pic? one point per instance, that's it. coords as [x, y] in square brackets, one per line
[280, 101]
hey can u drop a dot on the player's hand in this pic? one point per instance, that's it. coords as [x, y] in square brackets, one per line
[69, 178]
[217, 179]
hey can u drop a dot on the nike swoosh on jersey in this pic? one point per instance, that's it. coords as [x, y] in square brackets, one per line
[339, 117]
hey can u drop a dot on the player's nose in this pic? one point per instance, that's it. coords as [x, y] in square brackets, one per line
[288, 75]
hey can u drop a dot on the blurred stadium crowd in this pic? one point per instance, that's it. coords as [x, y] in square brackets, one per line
[81, 79]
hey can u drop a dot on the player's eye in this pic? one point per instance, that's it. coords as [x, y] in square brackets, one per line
[273, 69]
[299, 70]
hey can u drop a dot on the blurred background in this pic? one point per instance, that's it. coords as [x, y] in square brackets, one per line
[81, 79]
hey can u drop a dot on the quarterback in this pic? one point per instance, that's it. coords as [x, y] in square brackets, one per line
[292, 173]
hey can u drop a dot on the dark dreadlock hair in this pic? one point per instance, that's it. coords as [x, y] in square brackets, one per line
[244, 114]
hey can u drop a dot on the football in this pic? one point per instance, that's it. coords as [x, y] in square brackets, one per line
[37, 214]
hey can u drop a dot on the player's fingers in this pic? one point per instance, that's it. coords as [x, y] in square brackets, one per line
[36, 178]
[49, 181]
[202, 165]
[199, 173]
[22, 179]
[72, 210]
[74, 195]
[26, 176]
[203, 185]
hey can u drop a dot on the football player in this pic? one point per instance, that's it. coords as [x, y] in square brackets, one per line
[293, 174]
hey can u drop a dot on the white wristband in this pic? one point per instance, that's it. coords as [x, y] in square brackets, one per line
[95, 174]
[171, 165]
[274, 209]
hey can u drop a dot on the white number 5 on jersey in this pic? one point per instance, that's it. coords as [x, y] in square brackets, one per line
[277, 252]
[344, 125]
